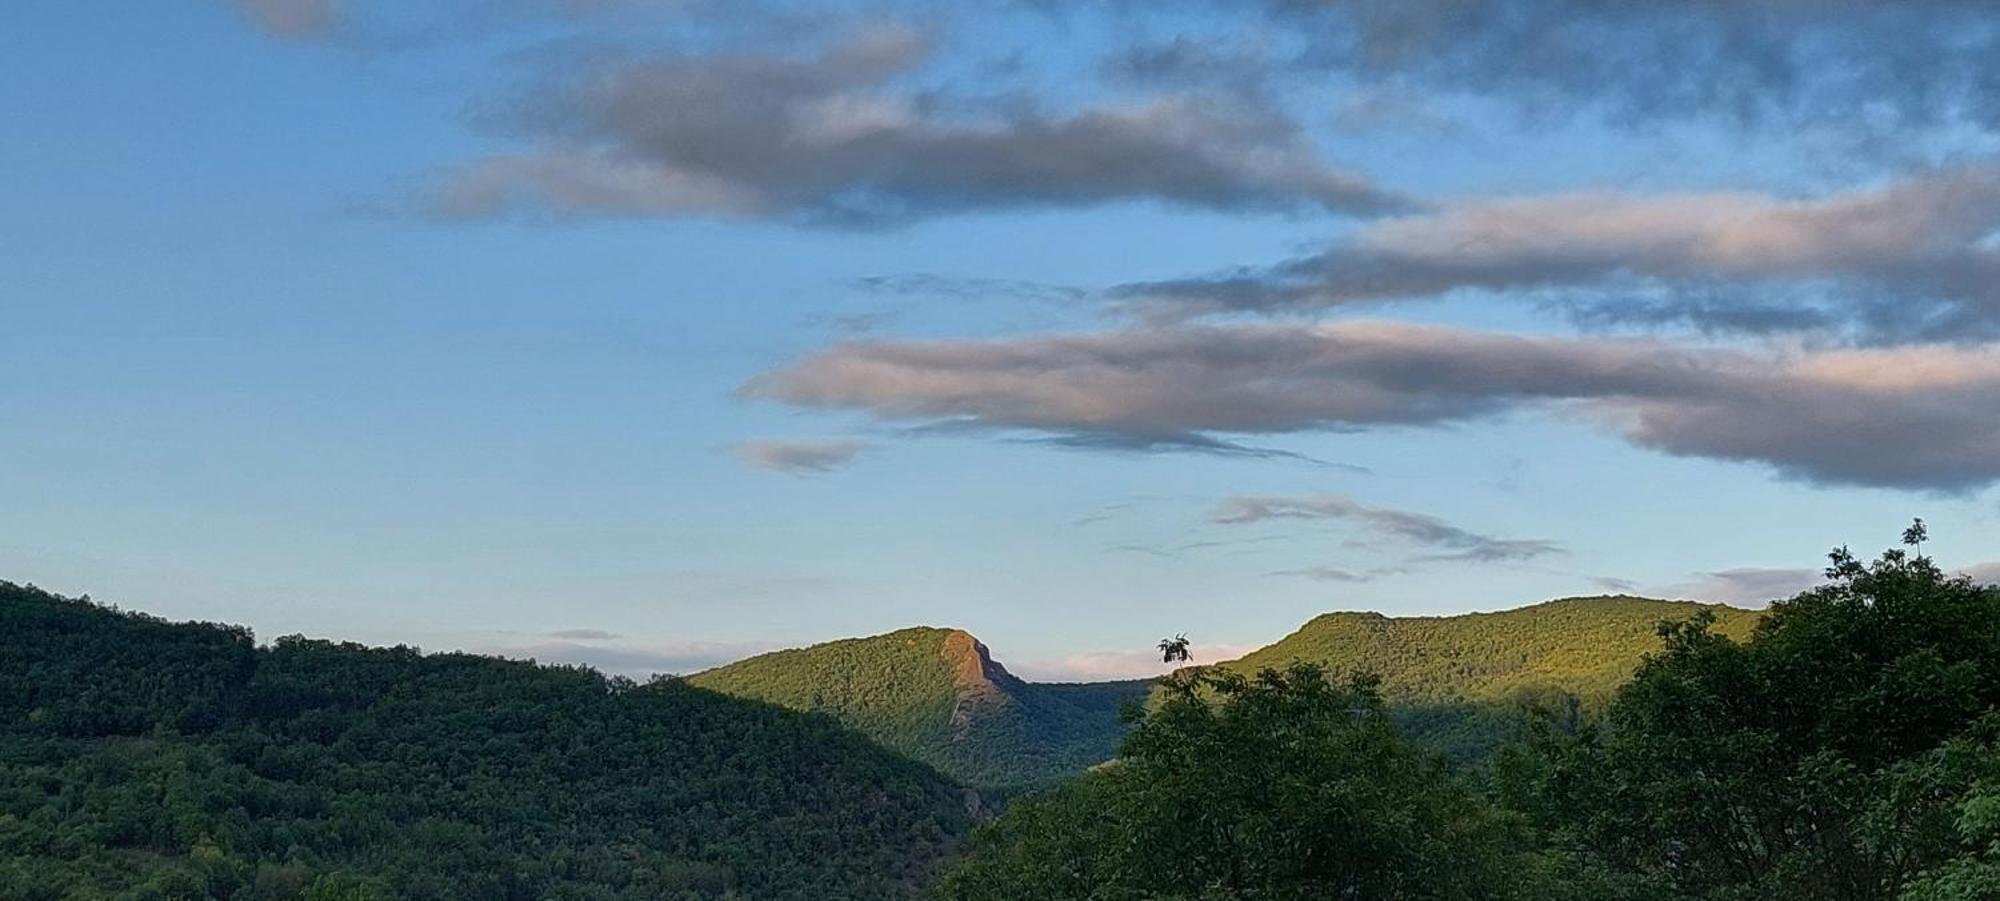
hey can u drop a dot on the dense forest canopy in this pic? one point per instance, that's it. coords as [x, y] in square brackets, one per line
[1289, 785]
[147, 760]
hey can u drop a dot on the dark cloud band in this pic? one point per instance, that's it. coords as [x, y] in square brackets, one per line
[838, 139]
[1914, 258]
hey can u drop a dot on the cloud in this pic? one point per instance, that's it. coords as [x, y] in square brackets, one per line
[637, 660]
[1335, 574]
[1747, 585]
[1876, 67]
[292, 18]
[929, 284]
[1915, 257]
[1983, 573]
[855, 323]
[1105, 665]
[1922, 417]
[842, 139]
[1177, 550]
[1108, 511]
[585, 634]
[1453, 543]
[1757, 585]
[799, 457]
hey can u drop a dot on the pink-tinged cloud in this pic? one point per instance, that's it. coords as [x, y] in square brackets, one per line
[1108, 665]
[1922, 417]
[799, 457]
[1911, 257]
[629, 658]
[1744, 586]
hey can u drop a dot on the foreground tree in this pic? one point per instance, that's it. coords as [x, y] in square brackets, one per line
[1829, 757]
[1973, 874]
[1288, 786]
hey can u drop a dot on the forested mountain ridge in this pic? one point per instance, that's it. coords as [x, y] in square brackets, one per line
[147, 759]
[938, 695]
[1457, 681]
[1584, 645]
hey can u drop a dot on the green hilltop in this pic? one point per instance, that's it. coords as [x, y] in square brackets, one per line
[146, 759]
[938, 696]
[1457, 682]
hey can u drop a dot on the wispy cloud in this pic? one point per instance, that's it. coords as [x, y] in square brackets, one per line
[585, 635]
[1983, 573]
[1828, 416]
[1745, 585]
[630, 658]
[1103, 665]
[292, 18]
[930, 284]
[800, 457]
[1911, 258]
[830, 140]
[1336, 574]
[1108, 511]
[1785, 67]
[1178, 549]
[1450, 542]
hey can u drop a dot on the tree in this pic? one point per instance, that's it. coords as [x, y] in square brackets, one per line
[145, 759]
[1174, 649]
[1285, 786]
[1974, 874]
[1812, 761]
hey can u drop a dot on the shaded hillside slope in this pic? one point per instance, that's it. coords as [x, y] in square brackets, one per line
[143, 758]
[936, 695]
[1457, 681]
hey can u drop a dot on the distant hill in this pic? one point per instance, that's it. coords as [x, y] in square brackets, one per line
[1457, 681]
[936, 695]
[147, 759]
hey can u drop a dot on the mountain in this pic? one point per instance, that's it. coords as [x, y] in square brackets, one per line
[146, 759]
[1457, 682]
[938, 696]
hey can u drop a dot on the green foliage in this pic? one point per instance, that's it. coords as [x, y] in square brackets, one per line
[935, 695]
[1830, 756]
[1286, 786]
[1459, 684]
[1973, 874]
[147, 760]
[1845, 745]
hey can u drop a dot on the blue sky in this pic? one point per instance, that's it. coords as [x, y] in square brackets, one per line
[654, 333]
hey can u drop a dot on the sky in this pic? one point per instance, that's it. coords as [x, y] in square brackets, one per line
[656, 333]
